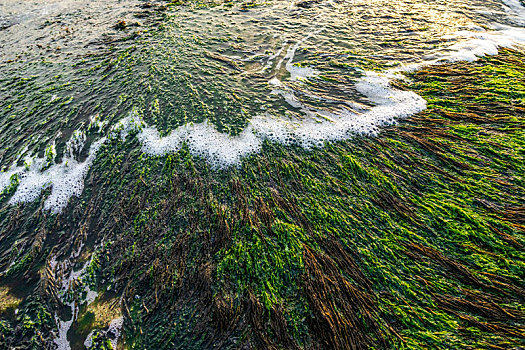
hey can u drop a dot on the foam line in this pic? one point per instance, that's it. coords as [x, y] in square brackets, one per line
[203, 139]
[65, 179]
[223, 150]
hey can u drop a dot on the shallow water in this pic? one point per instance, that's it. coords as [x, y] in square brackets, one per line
[220, 79]
[51, 29]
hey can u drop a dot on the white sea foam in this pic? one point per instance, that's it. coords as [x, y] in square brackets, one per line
[63, 327]
[515, 11]
[481, 43]
[470, 46]
[203, 140]
[223, 150]
[65, 179]
[89, 339]
[5, 179]
[75, 279]
[61, 340]
[133, 122]
[115, 328]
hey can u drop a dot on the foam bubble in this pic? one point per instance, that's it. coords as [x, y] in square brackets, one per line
[204, 140]
[515, 11]
[115, 328]
[75, 144]
[63, 328]
[89, 339]
[391, 104]
[132, 123]
[477, 44]
[221, 149]
[5, 179]
[154, 144]
[75, 278]
[65, 179]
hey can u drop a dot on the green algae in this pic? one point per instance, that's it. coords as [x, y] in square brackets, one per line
[429, 211]
[428, 215]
